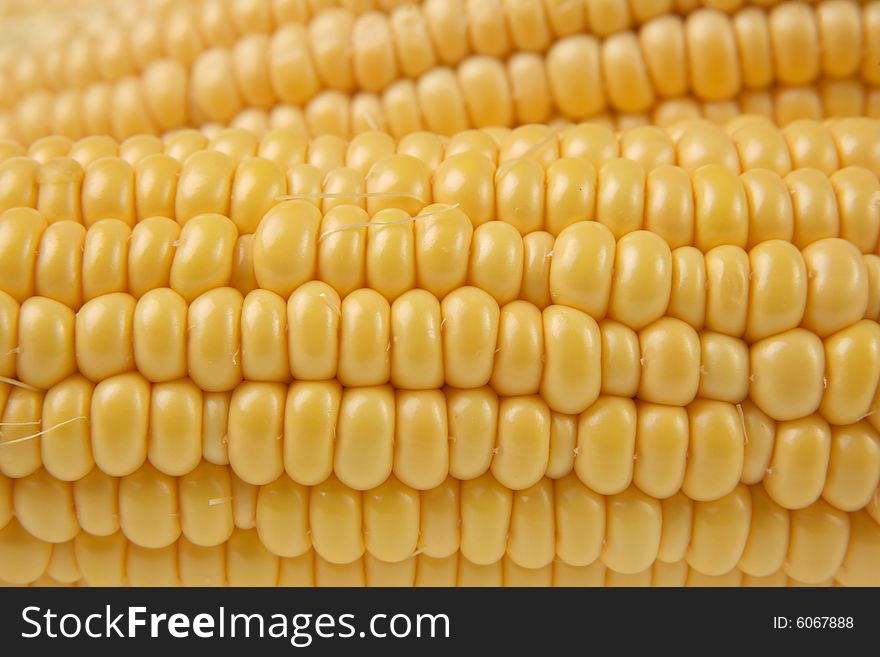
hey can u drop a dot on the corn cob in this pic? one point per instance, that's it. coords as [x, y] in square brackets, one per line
[414, 38]
[592, 472]
[222, 81]
[547, 355]
[630, 533]
[161, 570]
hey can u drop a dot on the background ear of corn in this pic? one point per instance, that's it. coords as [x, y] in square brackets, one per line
[389, 293]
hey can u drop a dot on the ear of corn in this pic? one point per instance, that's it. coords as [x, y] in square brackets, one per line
[285, 525]
[383, 293]
[422, 66]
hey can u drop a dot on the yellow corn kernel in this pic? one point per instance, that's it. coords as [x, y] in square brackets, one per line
[44, 507]
[25, 557]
